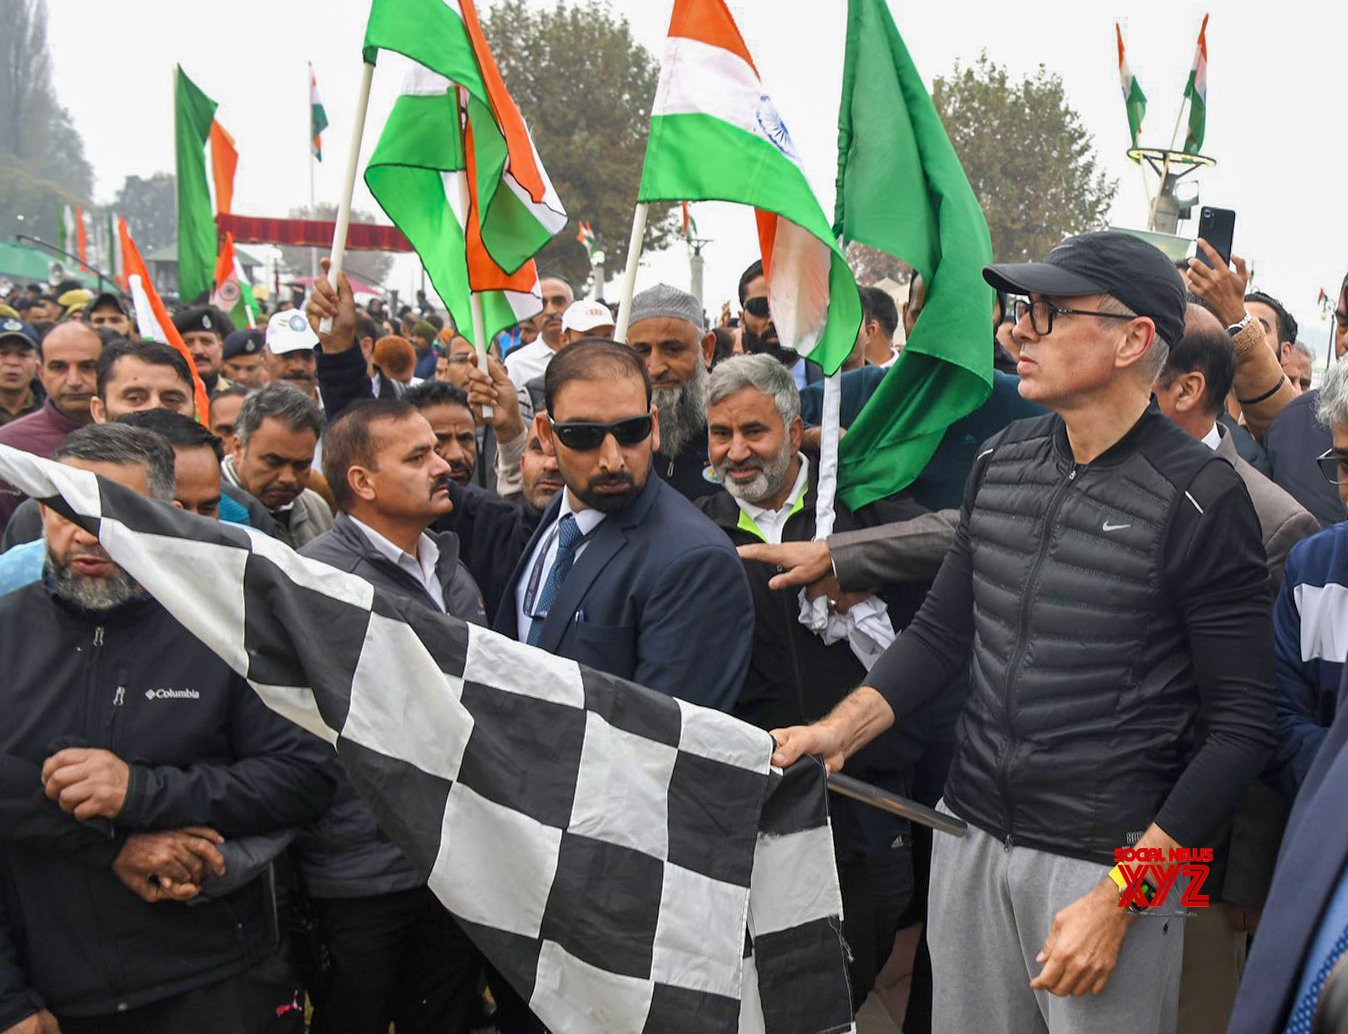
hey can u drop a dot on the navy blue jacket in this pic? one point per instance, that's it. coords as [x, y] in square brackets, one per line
[658, 597]
[1310, 865]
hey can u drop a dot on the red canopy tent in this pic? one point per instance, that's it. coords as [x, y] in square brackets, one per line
[310, 233]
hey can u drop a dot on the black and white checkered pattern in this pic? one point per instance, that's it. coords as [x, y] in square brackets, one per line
[630, 862]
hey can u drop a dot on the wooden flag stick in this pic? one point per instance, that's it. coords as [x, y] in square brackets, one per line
[348, 185]
[630, 276]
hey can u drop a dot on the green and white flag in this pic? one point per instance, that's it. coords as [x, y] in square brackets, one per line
[901, 189]
[710, 104]
[193, 114]
[1196, 90]
[318, 118]
[455, 167]
[1134, 100]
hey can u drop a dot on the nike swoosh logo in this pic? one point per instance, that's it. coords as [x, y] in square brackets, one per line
[1114, 527]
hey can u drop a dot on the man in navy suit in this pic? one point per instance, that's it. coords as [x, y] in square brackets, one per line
[623, 573]
[1303, 934]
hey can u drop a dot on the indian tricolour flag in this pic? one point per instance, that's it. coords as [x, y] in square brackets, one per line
[1196, 90]
[232, 293]
[318, 117]
[1134, 100]
[711, 103]
[455, 167]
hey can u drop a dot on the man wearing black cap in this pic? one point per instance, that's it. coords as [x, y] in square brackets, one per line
[242, 359]
[19, 394]
[108, 310]
[1108, 580]
[203, 328]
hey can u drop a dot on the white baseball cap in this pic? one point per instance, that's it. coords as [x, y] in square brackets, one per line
[586, 315]
[289, 331]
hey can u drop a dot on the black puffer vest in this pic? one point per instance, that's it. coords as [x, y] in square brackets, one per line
[1083, 700]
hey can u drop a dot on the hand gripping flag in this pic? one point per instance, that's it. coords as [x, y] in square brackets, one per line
[710, 104]
[606, 846]
[455, 167]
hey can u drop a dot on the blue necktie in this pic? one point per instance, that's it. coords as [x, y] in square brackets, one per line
[568, 538]
[1304, 1013]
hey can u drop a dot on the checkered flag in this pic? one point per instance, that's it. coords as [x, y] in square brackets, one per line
[630, 862]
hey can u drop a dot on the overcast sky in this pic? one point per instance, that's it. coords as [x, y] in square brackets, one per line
[1275, 92]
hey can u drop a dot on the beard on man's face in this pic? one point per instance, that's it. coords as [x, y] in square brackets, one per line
[767, 344]
[683, 412]
[95, 594]
[610, 493]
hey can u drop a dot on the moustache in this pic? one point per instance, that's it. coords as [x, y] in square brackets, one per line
[604, 480]
[441, 484]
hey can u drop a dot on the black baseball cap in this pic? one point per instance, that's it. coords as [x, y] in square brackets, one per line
[1105, 262]
[107, 298]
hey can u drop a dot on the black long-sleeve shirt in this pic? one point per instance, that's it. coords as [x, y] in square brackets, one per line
[1047, 585]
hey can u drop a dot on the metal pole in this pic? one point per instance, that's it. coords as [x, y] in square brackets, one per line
[895, 805]
[695, 263]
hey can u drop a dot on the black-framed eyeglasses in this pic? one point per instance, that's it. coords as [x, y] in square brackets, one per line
[1042, 314]
[580, 436]
[1334, 467]
[1341, 318]
[757, 307]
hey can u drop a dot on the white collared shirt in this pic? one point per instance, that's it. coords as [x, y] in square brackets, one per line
[421, 567]
[1213, 438]
[545, 554]
[771, 523]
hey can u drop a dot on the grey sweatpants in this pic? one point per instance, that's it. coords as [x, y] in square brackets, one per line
[989, 912]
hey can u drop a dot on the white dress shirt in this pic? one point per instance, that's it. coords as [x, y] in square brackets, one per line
[1213, 438]
[771, 523]
[524, 364]
[421, 567]
[545, 554]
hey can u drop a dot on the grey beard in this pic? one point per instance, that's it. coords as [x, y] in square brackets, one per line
[91, 594]
[770, 480]
[683, 412]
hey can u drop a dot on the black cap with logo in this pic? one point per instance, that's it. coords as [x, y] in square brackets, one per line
[1105, 262]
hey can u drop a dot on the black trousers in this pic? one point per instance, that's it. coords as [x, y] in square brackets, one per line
[396, 958]
[263, 1000]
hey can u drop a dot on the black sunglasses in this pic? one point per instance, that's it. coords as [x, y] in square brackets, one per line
[757, 307]
[585, 437]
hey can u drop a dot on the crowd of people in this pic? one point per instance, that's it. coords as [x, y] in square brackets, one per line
[1109, 614]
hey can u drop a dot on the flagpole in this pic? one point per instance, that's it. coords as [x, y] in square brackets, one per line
[348, 185]
[480, 343]
[630, 276]
[313, 207]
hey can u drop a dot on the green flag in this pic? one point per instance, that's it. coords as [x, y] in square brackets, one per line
[901, 189]
[193, 113]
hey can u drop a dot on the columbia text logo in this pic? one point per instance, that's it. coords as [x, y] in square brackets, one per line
[172, 694]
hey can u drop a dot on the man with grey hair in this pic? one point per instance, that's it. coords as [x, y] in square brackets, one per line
[1312, 608]
[1298, 362]
[795, 675]
[276, 436]
[670, 334]
[1108, 579]
[146, 748]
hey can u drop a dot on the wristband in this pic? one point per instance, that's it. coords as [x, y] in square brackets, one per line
[1266, 395]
